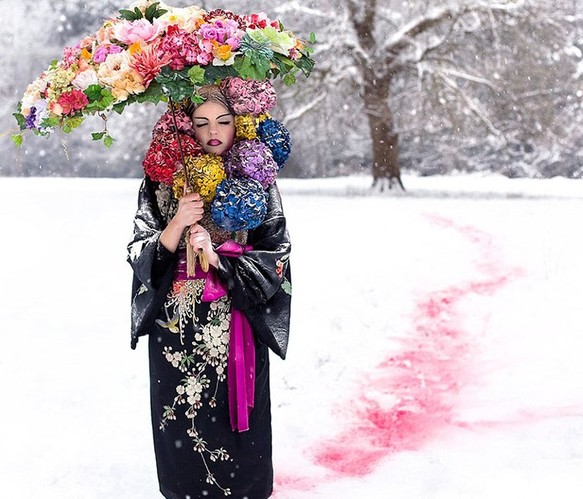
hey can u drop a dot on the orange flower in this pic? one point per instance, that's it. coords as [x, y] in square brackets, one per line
[223, 52]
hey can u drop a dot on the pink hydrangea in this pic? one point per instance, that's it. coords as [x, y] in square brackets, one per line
[249, 96]
[184, 49]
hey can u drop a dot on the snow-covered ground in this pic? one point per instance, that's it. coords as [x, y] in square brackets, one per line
[436, 348]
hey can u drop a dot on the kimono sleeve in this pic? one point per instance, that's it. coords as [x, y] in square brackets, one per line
[256, 280]
[152, 263]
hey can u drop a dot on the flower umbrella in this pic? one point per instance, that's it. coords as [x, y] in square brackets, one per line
[153, 52]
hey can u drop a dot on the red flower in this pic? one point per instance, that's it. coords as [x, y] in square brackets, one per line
[72, 101]
[163, 156]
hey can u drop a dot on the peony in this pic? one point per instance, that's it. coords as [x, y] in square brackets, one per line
[117, 73]
[143, 30]
[128, 83]
[85, 79]
[107, 32]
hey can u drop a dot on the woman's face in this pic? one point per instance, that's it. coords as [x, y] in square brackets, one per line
[214, 127]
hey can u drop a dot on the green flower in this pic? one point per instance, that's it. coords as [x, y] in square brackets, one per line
[278, 41]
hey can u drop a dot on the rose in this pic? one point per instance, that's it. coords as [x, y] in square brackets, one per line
[85, 78]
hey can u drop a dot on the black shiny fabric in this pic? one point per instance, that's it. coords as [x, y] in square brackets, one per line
[256, 283]
[253, 283]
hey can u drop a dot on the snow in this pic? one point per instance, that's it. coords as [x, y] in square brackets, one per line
[435, 348]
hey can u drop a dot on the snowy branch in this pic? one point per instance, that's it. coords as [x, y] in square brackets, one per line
[296, 7]
[472, 105]
[302, 110]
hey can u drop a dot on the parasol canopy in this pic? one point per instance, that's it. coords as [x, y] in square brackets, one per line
[153, 52]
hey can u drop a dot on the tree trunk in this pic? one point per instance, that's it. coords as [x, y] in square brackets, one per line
[385, 160]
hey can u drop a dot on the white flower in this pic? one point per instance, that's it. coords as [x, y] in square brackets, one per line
[85, 79]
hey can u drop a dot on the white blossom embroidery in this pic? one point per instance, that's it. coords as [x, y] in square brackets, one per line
[208, 357]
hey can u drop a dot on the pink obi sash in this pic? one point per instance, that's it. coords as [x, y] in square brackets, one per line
[241, 362]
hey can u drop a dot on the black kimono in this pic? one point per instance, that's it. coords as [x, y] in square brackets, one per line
[197, 452]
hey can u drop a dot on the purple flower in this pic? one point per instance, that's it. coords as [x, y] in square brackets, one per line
[103, 51]
[251, 159]
[31, 118]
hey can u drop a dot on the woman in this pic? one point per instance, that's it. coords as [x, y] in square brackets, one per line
[210, 408]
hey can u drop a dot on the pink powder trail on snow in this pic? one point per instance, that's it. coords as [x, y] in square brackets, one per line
[410, 396]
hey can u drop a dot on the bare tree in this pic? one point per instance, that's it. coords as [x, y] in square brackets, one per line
[399, 56]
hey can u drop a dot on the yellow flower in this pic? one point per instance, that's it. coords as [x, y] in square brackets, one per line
[223, 52]
[245, 127]
[135, 48]
[205, 173]
[85, 54]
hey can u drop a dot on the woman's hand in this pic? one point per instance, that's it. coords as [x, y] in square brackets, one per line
[199, 238]
[190, 211]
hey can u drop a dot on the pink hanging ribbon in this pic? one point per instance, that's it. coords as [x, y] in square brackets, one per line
[241, 362]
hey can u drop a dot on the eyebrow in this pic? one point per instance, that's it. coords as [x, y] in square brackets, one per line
[218, 117]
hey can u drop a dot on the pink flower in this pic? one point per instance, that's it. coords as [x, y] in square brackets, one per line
[260, 20]
[103, 51]
[183, 48]
[148, 64]
[72, 101]
[134, 31]
[249, 96]
[70, 55]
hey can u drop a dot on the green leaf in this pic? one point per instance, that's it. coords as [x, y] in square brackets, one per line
[305, 64]
[175, 84]
[69, 124]
[50, 122]
[312, 37]
[152, 12]
[130, 15]
[289, 79]
[286, 286]
[197, 99]
[93, 92]
[214, 74]
[254, 67]
[20, 119]
[108, 141]
[152, 94]
[196, 75]
[98, 135]
[17, 139]
[120, 106]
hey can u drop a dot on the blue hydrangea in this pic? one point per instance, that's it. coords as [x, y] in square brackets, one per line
[275, 136]
[239, 204]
